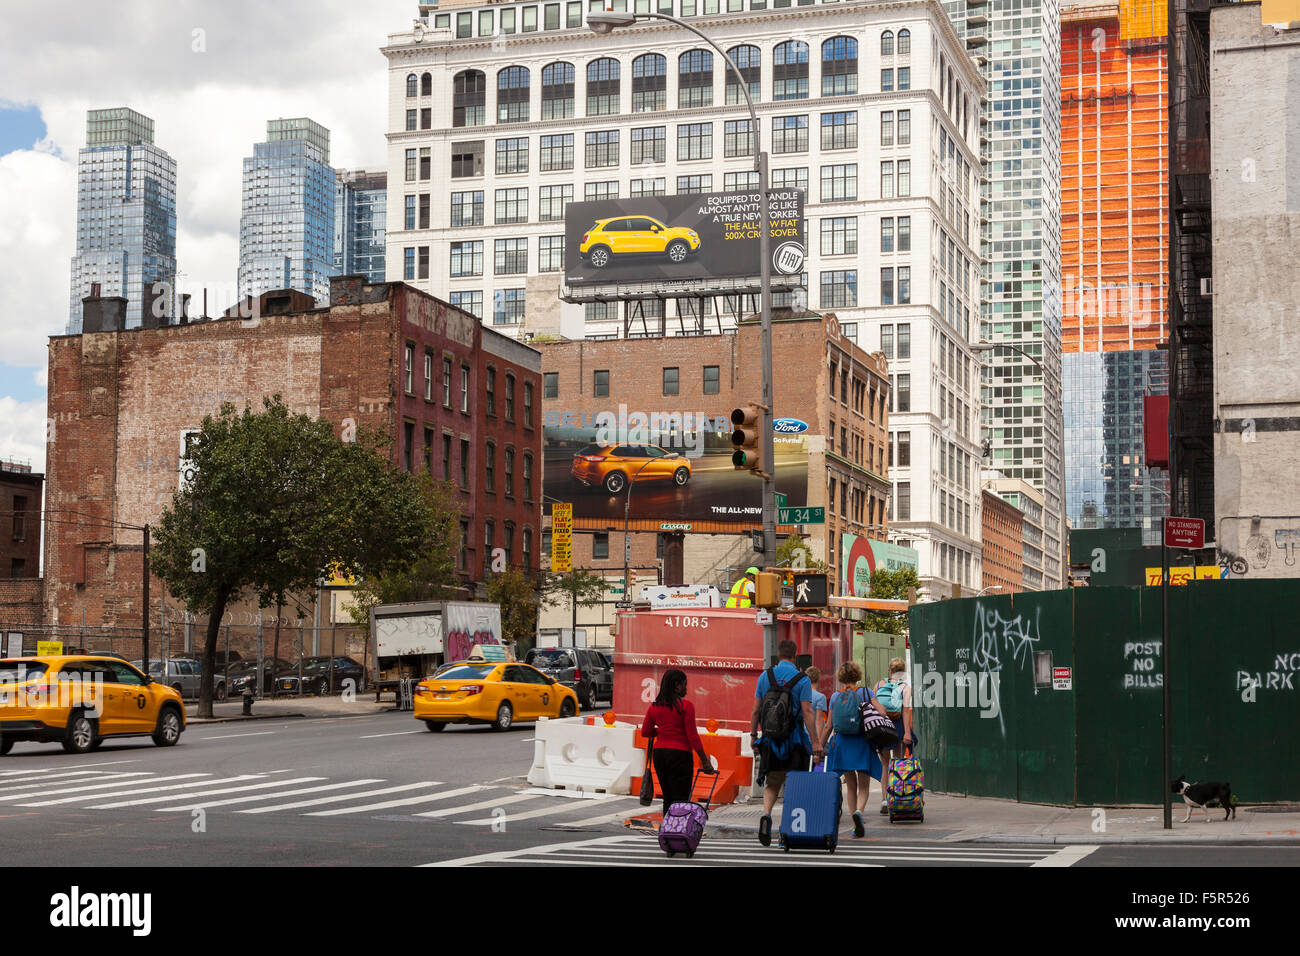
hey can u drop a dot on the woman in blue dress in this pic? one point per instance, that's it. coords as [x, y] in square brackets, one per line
[851, 754]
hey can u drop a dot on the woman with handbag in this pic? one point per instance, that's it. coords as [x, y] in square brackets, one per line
[851, 754]
[669, 725]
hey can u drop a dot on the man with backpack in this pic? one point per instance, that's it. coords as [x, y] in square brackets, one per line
[783, 711]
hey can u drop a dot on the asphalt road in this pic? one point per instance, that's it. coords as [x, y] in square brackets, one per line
[379, 790]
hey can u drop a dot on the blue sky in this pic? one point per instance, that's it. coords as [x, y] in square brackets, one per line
[20, 128]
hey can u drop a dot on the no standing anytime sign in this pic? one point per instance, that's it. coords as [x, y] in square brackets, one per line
[1184, 533]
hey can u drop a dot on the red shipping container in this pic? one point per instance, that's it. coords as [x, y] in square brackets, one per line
[1155, 413]
[721, 653]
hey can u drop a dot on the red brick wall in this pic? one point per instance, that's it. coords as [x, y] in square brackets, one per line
[21, 602]
[1003, 544]
[20, 534]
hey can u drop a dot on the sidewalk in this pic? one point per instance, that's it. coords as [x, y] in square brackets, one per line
[958, 819]
[267, 708]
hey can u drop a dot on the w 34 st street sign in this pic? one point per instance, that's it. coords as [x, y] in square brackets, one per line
[800, 515]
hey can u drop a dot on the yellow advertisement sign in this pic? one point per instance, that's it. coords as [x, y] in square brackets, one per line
[49, 648]
[1180, 576]
[562, 537]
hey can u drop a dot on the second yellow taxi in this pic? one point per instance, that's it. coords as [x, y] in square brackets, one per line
[487, 692]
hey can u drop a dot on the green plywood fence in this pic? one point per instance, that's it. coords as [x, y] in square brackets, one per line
[1099, 742]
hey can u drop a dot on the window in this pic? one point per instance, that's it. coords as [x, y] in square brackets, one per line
[903, 501]
[887, 179]
[796, 178]
[904, 177]
[670, 380]
[904, 127]
[528, 481]
[694, 79]
[887, 43]
[467, 258]
[557, 152]
[839, 182]
[426, 84]
[464, 463]
[408, 263]
[558, 94]
[553, 199]
[526, 540]
[790, 71]
[694, 184]
[740, 182]
[508, 461]
[512, 94]
[426, 160]
[712, 379]
[469, 98]
[428, 376]
[512, 156]
[600, 545]
[422, 254]
[490, 468]
[904, 78]
[738, 138]
[904, 394]
[904, 42]
[529, 20]
[551, 385]
[410, 165]
[512, 205]
[411, 119]
[648, 187]
[600, 311]
[648, 145]
[464, 388]
[410, 368]
[886, 80]
[904, 289]
[904, 440]
[467, 208]
[748, 60]
[695, 141]
[471, 302]
[887, 286]
[607, 189]
[550, 253]
[649, 83]
[905, 340]
[411, 84]
[602, 87]
[446, 458]
[426, 118]
[408, 443]
[600, 383]
[886, 233]
[904, 233]
[508, 306]
[510, 398]
[840, 236]
[887, 340]
[551, 16]
[790, 134]
[511, 257]
[839, 66]
[573, 13]
[887, 128]
[839, 289]
[466, 159]
[839, 130]
[446, 382]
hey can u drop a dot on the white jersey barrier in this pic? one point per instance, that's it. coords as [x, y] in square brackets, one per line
[571, 754]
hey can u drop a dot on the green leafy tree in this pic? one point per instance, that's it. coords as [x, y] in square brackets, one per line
[564, 590]
[890, 585]
[520, 598]
[787, 555]
[276, 500]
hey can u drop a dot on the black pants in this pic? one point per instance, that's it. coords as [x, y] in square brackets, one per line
[675, 770]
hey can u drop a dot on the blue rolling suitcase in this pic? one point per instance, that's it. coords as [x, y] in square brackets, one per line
[810, 816]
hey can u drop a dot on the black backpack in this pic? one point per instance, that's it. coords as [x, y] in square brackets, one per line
[778, 714]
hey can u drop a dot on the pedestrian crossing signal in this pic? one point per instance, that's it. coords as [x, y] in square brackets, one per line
[810, 590]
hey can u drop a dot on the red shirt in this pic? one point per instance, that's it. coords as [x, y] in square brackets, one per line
[672, 729]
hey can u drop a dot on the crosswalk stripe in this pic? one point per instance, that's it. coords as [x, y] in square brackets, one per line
[498, 802]
[715, 851]
[611, 817]
[79, 777]
[41, 778]
[273, 796]
[349, 796]
[87, 768]
[128, 793]
[1068, 855]
[209, 793]
[548, 810]
[423, 798]
[92, 783]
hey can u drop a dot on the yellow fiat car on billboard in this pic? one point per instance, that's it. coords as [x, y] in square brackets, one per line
[490, 692]
[80, 701]
[636, 235]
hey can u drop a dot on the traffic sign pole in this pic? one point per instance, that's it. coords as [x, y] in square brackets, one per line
[1164, 671]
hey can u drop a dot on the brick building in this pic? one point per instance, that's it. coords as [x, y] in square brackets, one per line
[383, 356]
[820, 377]
[1003, 538]
[20, 520]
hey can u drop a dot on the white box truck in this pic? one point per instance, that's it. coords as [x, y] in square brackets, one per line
[412, 640]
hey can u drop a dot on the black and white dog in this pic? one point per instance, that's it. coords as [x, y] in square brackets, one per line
[1201, 795]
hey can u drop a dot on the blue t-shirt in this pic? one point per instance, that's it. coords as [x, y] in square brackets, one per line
[801, 692]
[819, 703]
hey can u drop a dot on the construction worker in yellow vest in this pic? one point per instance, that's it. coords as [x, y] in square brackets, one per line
[742, 592]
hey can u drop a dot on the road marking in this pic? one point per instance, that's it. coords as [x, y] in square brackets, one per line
[86, 783]
[423, 798]
[86, 775]
[89, 767]
[610, 817]
[499, 802]
[549, 809]
[1068, 855]
[260, 733]
[399, 733]
[127, 793]
[349, 796]
[276, 796]
[208, 793]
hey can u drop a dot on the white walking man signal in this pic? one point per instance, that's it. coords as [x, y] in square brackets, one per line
[801, 592]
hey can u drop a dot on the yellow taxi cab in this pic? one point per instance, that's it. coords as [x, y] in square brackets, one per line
[82, 700]
[490, 692]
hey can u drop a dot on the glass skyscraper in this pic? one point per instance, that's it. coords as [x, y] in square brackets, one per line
[1017, 45]
[126, 213]
[286, 228]
[360, 208]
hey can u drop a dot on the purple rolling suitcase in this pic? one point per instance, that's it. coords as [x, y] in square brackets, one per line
[683, 824]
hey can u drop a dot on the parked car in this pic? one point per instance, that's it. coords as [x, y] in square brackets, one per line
[577, 667]
[50, 698]
[316, 676]
[475, 692]
[183, 675]
[243, 674]
[602, 465]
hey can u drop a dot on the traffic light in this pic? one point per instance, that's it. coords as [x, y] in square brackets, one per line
[767, 589]
[810, 590]
[746, 438]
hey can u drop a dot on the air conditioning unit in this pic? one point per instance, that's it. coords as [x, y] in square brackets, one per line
[1207, 287]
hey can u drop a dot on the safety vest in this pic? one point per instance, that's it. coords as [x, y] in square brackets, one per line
[741, 592]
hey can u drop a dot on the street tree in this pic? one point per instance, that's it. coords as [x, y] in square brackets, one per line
[520, 598]
[890, 585]
[276, 500]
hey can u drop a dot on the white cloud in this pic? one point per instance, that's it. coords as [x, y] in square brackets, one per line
[22, 432]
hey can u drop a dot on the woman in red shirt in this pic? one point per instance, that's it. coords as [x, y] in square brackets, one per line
[670, 725]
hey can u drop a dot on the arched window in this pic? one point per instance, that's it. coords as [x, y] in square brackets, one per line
[790, 71]
[426, 84]
[649, 83]
[887, 43]
[602, 87]
[469, 98]
[412, 85]
[839, 66]
[557, 91]
[904, 42]
[694, 79]
[748, 60]
[512, 94]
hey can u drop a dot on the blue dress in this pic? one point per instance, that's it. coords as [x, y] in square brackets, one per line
[852, 751]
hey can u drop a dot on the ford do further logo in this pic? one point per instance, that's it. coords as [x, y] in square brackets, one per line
[789, 426]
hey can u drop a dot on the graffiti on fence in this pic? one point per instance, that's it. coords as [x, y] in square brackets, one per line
[996, 636]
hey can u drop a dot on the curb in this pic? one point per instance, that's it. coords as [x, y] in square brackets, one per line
[1144, 840]
[201, 721]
